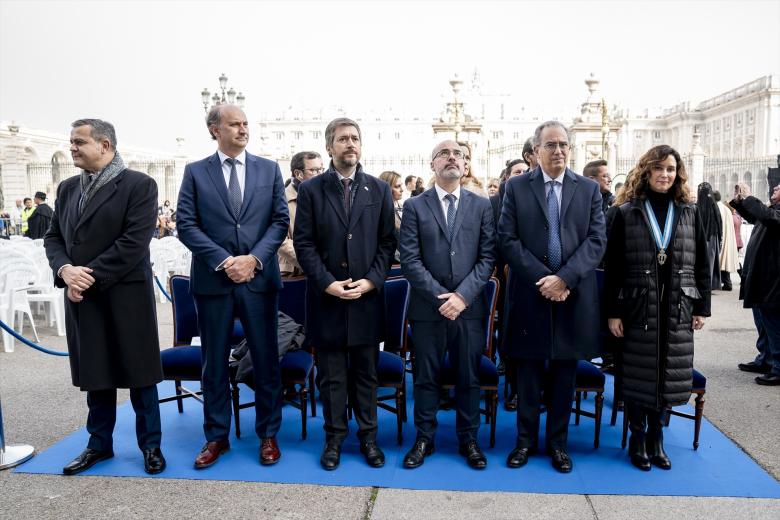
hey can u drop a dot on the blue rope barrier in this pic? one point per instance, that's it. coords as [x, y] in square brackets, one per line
[162, 289]
[29, 343]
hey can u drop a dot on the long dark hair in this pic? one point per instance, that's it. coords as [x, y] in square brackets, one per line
[638, 179]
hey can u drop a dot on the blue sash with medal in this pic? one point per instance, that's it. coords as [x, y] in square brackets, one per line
[661, 241]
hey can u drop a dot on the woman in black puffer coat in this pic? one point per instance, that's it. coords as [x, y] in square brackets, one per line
[657, 292]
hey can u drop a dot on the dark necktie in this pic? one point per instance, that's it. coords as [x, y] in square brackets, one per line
[234, 189]
[347, 194]
[450, 213]
[554, 221]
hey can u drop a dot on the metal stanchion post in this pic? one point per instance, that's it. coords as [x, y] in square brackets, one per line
[11, 456]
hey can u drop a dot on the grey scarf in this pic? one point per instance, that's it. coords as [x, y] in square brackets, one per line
[90, 187]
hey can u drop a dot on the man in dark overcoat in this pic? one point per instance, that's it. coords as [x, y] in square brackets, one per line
[760, 289]
[552, 235]
[98, 248]
[39, 221]
[345, 241]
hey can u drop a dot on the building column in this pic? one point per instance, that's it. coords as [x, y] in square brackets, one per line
[696, 175]
[14, 173]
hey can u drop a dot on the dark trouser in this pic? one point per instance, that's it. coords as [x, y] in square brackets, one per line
[257, 312]
[510, 373]
[761, 342]
[714, 260]
[770, 320]
[348, 372]
[464, 340]
[102, 417]
[560, 391]
[725, 278]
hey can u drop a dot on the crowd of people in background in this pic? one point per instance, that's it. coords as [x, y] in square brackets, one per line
[30, 217]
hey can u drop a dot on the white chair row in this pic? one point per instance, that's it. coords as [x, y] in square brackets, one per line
[25, 278]
[169, 256]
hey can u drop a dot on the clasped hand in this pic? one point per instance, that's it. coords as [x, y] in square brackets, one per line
[553, 288]
[78, 279]
[240, 269]
[453, 305]
[349, 290]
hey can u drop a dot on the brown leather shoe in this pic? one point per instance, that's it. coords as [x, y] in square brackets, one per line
[269, 451]
[210, 453]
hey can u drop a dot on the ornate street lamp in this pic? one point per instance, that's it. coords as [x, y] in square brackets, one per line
[228, 96]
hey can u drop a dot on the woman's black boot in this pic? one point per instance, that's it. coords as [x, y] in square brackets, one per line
[637, 442]
[656, 421]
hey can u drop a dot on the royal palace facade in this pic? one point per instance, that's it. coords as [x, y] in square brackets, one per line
[732, 137]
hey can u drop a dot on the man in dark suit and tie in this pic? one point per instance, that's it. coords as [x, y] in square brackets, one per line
[233, 216]
[98, 248]
[345, 240]
[447, 254]
[552, 235]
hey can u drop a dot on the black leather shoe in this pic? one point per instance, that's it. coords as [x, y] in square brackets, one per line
[331, 456]
[415, 457]
[474, 456]
[374, 456]
[510, 404]
[768, 380]
[86, 460]
[154, 462]
[518, 457]
[561, 461]
[754, 367]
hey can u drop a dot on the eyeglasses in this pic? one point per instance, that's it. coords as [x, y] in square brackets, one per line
[314, 170]
[550, 147]
[446, 154]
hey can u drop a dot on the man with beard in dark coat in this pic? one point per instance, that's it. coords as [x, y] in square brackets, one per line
[345, 240]
[39, 221]
[98, 248]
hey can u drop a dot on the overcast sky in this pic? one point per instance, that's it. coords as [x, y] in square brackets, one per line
[142, 64]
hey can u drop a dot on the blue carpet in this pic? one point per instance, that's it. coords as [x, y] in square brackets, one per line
[718, 468]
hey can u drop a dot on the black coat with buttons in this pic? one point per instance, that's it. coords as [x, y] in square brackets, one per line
[538, 328]
[331, 245]
[112, 332]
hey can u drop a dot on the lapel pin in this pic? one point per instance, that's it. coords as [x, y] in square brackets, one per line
[365, 188]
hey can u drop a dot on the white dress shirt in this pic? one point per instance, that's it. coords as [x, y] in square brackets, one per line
[441, 193]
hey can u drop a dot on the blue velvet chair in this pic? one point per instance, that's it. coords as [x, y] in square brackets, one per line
[698, 388]
[391, 368]
[182, 362]
[395, 271]
[296, 367]
[589, 379]
[488, 371]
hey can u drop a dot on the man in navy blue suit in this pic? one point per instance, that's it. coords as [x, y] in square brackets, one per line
[552, 235]
[233, 216]
[447, 254]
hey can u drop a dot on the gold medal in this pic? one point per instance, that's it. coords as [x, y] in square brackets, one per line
[661, 257]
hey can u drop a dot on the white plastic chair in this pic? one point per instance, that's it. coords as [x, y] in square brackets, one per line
[16, 278]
